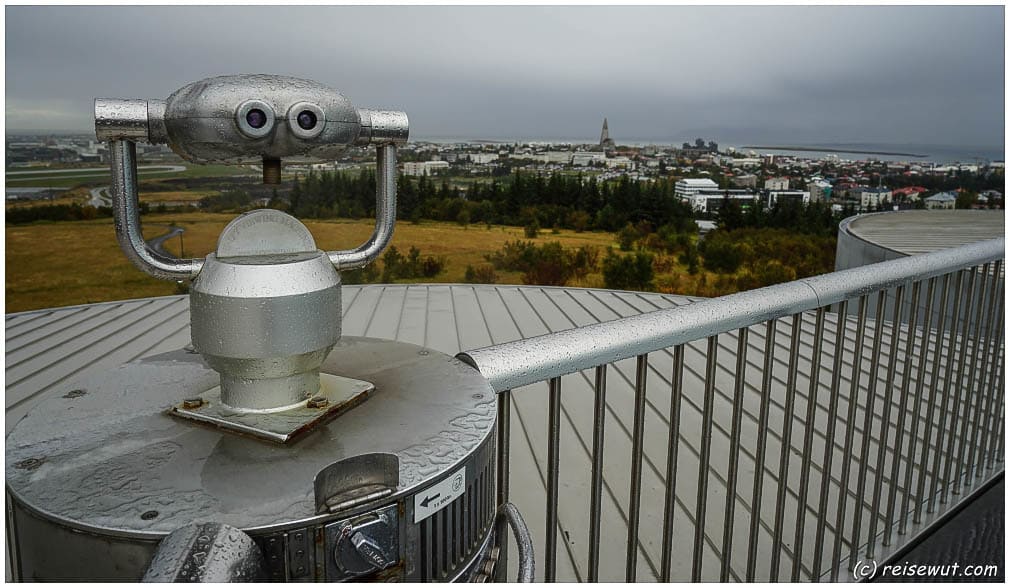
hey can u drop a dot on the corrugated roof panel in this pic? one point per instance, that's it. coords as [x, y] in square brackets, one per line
[47, 349]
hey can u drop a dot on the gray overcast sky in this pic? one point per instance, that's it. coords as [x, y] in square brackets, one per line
[932, 75]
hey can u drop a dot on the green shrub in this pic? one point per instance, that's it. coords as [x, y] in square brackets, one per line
[628, 272]
[482, 274]
[626, 237]
[549, 264]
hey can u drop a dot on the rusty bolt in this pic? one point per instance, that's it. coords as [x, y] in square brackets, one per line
[192, 403]
[317, 402]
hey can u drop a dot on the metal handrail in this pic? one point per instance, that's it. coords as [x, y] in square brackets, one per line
[519, 363]
[928, 339]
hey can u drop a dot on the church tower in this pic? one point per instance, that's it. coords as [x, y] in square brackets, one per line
[605, 140]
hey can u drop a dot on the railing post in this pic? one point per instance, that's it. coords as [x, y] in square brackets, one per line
[850, 426]
[553, 442]
[808, 444]
[734, 453]
[676, 393]
[637, 448]
[871, 400]
[596, 491]
[786, 448]
[502, 497]
[759, 456]
[703, 461]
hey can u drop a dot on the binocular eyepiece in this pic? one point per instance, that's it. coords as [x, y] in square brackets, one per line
[250, 118]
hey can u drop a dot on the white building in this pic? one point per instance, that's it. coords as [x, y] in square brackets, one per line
[775, 196]
[559, 157]
[777, 184]
[620, 162]
[688, 187]
[941, 201]
[743, 162]
[819, 190]
[870, 197]
[583, 158]
[481, 158]
[423, 168]
[712, 200]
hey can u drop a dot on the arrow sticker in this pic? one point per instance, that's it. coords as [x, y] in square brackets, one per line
[434, 498]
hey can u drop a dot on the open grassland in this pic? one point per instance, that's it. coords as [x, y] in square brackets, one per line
[77, 262]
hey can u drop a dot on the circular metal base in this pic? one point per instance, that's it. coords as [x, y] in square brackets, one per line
[111, 467]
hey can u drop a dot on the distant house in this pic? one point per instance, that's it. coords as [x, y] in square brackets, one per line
[745, 181]
[423, 168]
[910, 193]
[871, 197]
[819, 190]
[942, 200]
[777, 184]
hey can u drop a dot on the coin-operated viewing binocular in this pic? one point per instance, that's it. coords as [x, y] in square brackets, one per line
[280, 450]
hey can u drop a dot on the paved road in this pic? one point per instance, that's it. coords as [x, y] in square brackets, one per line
[158, 243]
[157, 169]
[100, 197]
[87, 172]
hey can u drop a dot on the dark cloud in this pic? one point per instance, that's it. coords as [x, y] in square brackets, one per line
[863, 73]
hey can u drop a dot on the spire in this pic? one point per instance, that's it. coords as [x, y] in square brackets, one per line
[605, 140]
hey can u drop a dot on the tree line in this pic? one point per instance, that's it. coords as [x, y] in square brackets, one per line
[572, 202]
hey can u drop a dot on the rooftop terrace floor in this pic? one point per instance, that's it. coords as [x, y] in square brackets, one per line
[47, 349]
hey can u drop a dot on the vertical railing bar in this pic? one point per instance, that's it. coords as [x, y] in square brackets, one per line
[504, 408]
[998, 456]
[759, 458]
[786, 447]
[808, 440]
[829, 442]
[973, 407]
[734, 453]
[703, 461]
[959, 389]
[927, 439]
[596, 491]
[940, 454]
[850, 426]
[991, 448]
[899, 432]
[669, 509]
[553, 442]
[871, 398]
[637, 447]
[885, 419]
[993, 346]
[985, 350]
[917, 400]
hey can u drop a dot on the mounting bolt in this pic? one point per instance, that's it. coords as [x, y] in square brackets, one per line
[317, 402]
[192, 403]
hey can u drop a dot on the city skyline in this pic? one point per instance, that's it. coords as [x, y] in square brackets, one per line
[908, 75]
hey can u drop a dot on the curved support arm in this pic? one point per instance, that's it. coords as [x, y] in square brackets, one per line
[524, 543]
[385, 215]
[126, 214]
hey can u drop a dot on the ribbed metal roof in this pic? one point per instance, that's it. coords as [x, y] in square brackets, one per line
[47, 349]
[920, 231]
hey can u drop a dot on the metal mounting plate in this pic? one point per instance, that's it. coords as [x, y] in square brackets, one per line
[340, 395]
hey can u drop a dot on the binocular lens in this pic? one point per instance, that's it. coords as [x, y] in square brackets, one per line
[307, 120]
[256, 118]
